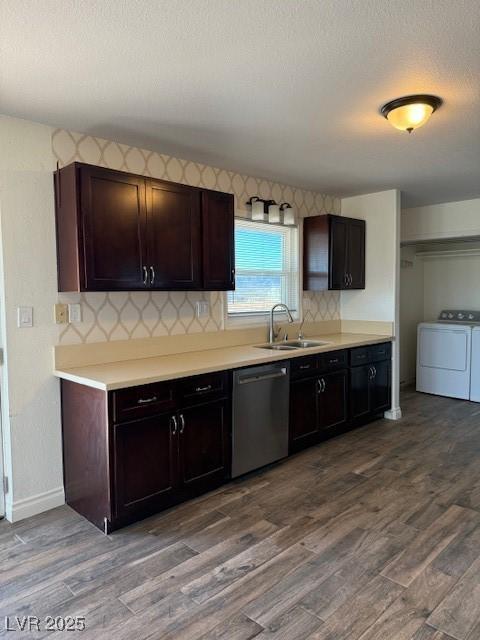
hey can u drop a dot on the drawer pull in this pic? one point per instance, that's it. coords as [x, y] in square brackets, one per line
[203, 389]
[333, 361]
[361, 357]
[147, 400]
[305, 366]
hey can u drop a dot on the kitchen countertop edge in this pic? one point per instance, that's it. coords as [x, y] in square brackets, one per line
[99, 376]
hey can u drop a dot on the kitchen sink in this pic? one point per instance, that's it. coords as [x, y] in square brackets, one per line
[277, 347]
[291, 345]
[305, 344]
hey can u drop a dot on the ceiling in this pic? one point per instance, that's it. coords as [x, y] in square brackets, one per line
[282, 89]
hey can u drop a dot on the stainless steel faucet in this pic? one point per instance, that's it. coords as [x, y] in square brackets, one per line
[272, 336]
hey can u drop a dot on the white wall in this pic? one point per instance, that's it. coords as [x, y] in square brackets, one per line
[380, 300]
[440, 221]
[411, 311]
[30, 394]
[451, 282]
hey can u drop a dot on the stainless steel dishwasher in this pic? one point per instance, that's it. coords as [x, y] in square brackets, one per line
[260, 416]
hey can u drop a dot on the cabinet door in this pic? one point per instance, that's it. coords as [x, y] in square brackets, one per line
[356, 254]
[303, 427]
[218, 241]
[204, 446]
[360, 391]
[174, 236]
[381, 386]
[114, 216]
[338, 253]
[332, 400]
[145, 463]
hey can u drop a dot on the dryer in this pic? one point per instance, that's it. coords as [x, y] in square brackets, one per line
[444, 352]
[475, 367]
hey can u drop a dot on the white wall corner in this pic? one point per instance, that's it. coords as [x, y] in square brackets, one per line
[31, 506]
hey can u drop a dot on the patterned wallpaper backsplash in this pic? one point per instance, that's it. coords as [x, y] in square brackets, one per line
[120, 316]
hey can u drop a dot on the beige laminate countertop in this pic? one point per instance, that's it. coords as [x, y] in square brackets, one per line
[131, 373]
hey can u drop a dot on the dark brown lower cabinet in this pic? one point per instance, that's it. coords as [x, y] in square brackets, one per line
[303, 431]
[132, 452]
[146, 465]
[204, 445]
[317, 405]
[370, 389]
[333, 400]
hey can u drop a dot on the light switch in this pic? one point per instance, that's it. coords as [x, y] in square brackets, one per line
[202, 309]
[24, 317]
[74, 313]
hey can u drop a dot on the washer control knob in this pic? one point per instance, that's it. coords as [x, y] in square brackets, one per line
[450, 316]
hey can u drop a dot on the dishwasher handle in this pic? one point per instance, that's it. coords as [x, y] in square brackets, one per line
[277, 373]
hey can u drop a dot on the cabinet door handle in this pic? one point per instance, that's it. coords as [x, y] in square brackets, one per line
[173, 421]
[147, 400]
[145, 275]
[374, 371]
[324, 385]
[182, 424]
[345, 280]
[233, 275]
[152, 276]
[202, 389]
[319, 386]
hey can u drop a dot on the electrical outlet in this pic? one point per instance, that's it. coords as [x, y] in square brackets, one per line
[60, 313]
[202, 309]
[24, 317]
[74, 313]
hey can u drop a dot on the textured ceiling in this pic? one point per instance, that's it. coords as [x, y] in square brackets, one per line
[283, 89]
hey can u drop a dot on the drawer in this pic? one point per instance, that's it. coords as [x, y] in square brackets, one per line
[304, 367]
[359, 355]
[143, 401]
[380, 352]
[334, 360]
[209, 386]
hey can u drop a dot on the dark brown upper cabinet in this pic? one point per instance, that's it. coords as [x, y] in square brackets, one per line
[118, 231]
[333, 253]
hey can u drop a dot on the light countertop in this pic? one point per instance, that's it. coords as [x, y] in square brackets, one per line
[131, 373]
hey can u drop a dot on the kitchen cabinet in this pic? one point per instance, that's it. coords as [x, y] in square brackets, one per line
[303, 428]
[332, 399]
[370, 382]
[318, 398]
[132, 452]
[174, 240]
[218, 241]
[333, 253]
[203, 446]
[145, 465]
[118, 231]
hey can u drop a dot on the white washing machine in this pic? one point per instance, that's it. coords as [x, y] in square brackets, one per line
[475, 367]
[444, 354]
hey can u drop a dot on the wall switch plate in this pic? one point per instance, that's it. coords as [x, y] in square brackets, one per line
[202, 308]
[60, 313]
[74, 313]
[24, 317]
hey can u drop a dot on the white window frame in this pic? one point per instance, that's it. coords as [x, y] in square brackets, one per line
[258, 318]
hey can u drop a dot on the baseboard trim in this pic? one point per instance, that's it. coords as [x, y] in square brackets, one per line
[393, 414]
[26, 507]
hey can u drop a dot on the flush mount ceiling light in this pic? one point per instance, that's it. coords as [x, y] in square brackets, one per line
[410, 112]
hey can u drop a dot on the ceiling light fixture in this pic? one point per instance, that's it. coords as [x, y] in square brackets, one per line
[410, 112]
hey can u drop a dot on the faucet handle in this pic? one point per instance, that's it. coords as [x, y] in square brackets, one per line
[285, 337]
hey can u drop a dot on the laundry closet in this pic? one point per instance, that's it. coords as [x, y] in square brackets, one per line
[440, 299]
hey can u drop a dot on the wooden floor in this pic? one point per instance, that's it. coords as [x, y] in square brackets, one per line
[374, 535]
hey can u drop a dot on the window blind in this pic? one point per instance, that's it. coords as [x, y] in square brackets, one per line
[266, 260]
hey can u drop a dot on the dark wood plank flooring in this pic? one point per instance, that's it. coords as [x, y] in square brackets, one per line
[374, 535]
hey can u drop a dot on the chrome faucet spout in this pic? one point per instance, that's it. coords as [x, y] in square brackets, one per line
[272, 334]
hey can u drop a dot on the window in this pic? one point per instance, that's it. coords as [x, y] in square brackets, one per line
[266, 258]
